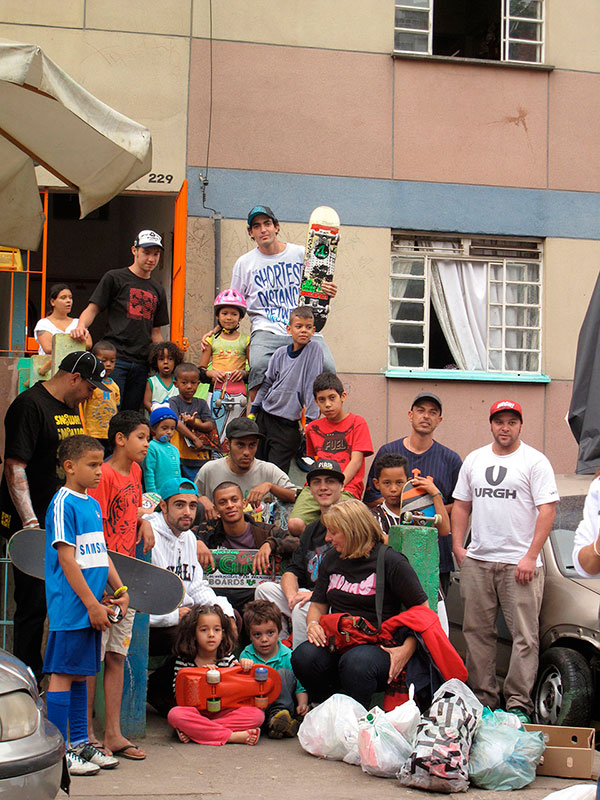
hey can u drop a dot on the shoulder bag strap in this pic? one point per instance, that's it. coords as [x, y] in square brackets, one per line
[380, 582]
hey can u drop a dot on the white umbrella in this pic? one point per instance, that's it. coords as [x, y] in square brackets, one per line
[48, 118]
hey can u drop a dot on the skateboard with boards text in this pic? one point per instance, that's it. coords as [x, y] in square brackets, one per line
[319, 262]
[151, 589]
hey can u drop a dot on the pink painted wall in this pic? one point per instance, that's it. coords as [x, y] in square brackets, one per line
[292, 109]
[459, 123]
[385, 404]
[574, 144]
[301, 110]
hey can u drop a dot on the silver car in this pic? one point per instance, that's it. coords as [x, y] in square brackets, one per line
[31, 748]
[565, 689]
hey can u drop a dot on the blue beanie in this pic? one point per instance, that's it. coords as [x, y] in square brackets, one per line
[160, 413]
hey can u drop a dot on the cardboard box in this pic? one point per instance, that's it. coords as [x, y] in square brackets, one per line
[569, 752]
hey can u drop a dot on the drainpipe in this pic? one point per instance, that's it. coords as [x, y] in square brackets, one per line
[217, 217]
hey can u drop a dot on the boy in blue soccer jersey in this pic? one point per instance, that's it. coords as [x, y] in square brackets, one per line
[77, 568]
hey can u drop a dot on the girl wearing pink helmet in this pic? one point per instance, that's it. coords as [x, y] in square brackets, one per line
[227, 355]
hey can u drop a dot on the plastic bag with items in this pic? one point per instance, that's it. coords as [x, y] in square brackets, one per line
[331, 729]
[444, 736]
[503, 756]
[381, 747]
[406, 717]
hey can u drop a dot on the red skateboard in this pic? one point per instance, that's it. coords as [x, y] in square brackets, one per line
[227, 687]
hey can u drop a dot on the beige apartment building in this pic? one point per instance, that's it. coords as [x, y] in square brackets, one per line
[457, 139]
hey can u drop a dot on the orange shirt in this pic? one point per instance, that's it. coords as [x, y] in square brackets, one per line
[119, 496]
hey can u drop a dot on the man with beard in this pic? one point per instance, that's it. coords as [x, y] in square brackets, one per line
[430, 457]
[175, 549]
[511, 491]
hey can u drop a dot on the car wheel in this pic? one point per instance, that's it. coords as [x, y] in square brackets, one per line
[563, 691]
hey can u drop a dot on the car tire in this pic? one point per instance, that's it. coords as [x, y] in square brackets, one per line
[563, 692]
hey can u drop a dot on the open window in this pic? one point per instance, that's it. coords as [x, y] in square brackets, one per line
[496, 30]
[468, 304]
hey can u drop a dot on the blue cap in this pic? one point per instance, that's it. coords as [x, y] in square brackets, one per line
[160, 413]
[254, 212]
[177, 486]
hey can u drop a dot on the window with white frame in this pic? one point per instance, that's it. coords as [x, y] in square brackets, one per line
[472, 304]
[497, 30]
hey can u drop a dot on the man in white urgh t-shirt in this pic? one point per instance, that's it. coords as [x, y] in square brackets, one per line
[268, 277]
[510, 490]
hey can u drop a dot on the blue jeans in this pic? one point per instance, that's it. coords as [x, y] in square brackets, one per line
[131, 379]
[359, 672]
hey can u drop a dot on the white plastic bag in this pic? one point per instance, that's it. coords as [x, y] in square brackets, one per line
[577, 792]
[381, 748]
[502, 756]
[331, 729]
[406, 717]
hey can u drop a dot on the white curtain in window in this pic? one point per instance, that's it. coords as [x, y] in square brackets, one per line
[459, 296]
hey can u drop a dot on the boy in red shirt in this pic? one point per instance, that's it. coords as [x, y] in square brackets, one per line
[120, 496]
[337, 435]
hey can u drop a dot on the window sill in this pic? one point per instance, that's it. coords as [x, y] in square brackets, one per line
[465, 375]
[484, 62]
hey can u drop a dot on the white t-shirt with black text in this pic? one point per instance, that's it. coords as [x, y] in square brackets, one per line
[270, 285]
[505, 491]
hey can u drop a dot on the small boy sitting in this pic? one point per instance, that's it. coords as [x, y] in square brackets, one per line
[76, 570]
[263, 624]
[195, 423]
[162, 459]
[389, 479]
[337, 436]
[286, 389]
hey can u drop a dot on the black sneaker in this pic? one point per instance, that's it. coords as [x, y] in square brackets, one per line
[282, 724]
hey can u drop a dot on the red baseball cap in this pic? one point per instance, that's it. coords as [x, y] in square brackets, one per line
[506, 405]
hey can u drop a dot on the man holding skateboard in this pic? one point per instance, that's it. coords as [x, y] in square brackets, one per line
[422, 452]
[238, 531]
[268, 278]
[35, 424]
[511, 491]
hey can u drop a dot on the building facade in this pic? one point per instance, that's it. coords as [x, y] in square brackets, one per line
[457, 140]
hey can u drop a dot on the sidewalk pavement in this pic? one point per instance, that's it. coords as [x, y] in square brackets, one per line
[272, 770]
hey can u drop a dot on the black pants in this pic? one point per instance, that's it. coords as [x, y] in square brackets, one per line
[28, 622]
[282, 439]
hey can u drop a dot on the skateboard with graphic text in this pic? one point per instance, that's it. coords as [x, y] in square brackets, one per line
[319, 262]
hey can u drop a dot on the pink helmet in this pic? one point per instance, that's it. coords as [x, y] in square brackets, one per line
[229, 297]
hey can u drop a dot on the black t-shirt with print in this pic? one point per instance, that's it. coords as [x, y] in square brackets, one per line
[35, 424]
[135, 306]
[309, 554]
[347, 585]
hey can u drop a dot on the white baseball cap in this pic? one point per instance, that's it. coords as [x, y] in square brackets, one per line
[148, 239]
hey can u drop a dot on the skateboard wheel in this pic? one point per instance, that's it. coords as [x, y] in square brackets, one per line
[437, 520]
[261, 702]
[407, 517]
[213, 704]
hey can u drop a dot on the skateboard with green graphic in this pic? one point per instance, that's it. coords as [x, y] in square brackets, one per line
[319, 262]
[417, 537]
